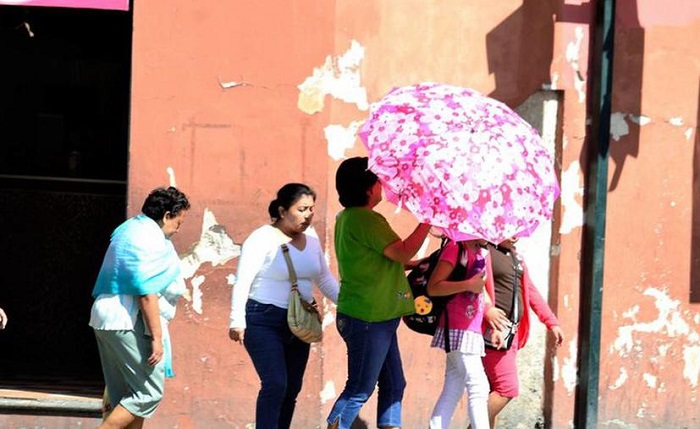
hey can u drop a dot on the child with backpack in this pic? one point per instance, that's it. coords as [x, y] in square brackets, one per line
[459, 332]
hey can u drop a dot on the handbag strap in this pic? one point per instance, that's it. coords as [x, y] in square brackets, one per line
[516, 286]
[290, 267]
[309, 306]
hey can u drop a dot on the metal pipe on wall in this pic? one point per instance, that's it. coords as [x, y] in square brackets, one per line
[598, 142]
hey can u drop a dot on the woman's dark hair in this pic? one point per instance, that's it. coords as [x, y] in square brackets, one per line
[287, 195]
[353, 180]
[163, 200]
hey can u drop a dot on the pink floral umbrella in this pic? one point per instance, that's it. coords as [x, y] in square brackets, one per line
[461, 161]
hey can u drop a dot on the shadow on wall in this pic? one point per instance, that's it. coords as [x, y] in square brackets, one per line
[695, 231]
[518, 73]
[628, 63]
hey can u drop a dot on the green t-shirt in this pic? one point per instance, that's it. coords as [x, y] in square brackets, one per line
[373, 288]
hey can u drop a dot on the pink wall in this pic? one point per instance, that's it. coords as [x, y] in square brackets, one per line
[229, 147]
[649, 371]
[217, 110]
[216, 98]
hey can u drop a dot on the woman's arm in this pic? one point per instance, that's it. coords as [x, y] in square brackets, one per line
[325, 280]
[438, 285]
[151, 317]
[253, 255]
[403, 250]
[538, 303]
[545, 313]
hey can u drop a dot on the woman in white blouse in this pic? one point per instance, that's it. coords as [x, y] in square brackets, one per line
[260, 295]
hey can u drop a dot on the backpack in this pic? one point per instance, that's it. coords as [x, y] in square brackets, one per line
[429, 309]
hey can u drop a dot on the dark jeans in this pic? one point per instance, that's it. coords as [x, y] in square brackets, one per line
[280, 361]
[373, 360]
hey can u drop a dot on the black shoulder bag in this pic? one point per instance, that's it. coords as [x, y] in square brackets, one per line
[509, 335]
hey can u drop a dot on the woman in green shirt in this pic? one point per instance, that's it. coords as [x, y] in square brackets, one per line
[374, 294]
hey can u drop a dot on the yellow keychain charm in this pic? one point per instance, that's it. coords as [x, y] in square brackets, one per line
[423, 305]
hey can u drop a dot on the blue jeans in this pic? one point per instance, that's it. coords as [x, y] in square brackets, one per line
[280, 361]
[373, 358]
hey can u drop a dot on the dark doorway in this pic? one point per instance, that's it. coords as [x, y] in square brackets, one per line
[64, 127]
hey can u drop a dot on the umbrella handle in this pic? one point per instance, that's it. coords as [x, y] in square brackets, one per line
[436, 232]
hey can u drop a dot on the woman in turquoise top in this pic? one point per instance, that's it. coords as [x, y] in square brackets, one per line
[135, 294]
[374, 294]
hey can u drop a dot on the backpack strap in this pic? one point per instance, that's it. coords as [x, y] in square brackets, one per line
[460, 254]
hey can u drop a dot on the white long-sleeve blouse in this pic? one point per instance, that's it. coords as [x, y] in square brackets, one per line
[262, 272]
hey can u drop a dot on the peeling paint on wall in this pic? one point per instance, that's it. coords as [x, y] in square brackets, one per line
[555, 369]
[328, 392]
[231, 279]
[573, 51]
[196, 295]
[232, 84]
[339, 78]
[642, 410]
[691, 370]
[670, 322]
[214, 246]
[630, 314]
[621, 379]
[328, 315]
[571, 191]
[640, 120]
[676, 121]
[617, 424]
[341, 138]
[650, 380]
[171, 176]
[552, 86]
[618, 126]
[569, 369]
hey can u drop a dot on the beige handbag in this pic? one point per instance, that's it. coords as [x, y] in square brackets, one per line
[303, 318]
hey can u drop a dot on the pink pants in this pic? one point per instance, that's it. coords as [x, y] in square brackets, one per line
[502, 371]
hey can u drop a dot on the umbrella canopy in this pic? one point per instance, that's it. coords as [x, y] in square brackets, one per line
[461, 161]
